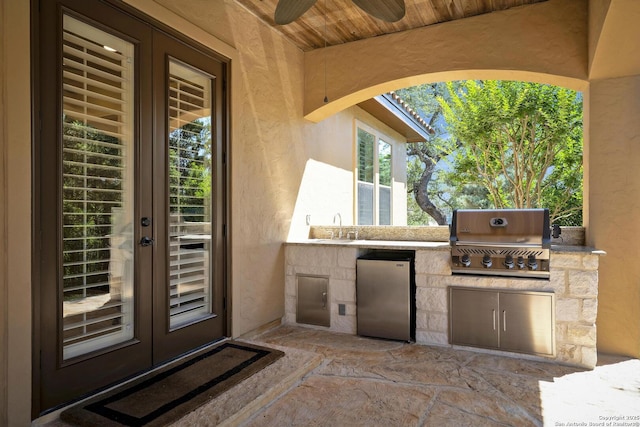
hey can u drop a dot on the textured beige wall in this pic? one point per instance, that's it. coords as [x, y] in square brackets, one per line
[16, 145]
[613, 155]
[614, 51]
[544, 42]
[3, 228]
[614, 207]
[597, 13]
[327, 185]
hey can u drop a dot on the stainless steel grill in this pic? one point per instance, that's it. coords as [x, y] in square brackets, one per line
[502, 242]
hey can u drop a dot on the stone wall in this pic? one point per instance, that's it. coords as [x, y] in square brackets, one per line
[574, 281]
[572, 236]
[336, 262]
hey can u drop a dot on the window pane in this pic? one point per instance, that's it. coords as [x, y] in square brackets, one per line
[384, 162]
[384, 203]
[97, 189]
[189, 194]
[365, 203]
[384, 173]
[366, 144]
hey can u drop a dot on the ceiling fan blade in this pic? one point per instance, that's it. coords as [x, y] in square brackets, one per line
[289, 10]
[386, 10]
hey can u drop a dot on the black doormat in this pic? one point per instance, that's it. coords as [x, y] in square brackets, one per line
[169, 394]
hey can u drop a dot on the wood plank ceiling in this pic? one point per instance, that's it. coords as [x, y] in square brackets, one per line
[345, 22]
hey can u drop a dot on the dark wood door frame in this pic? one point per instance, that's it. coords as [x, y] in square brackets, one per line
[44, 167]
[184, 339]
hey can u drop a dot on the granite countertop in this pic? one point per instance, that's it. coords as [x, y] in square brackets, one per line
[574, 249]
[382, 244]
[408, 244]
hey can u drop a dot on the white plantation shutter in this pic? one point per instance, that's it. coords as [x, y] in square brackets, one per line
[97, 188]
[189, 194]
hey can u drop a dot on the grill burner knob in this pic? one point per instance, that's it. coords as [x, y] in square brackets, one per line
[508, 262]
[520, 262]
[465, 260]
[486, 261]
[532, 263]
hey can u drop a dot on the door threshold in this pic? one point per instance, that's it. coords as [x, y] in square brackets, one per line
[54, 415]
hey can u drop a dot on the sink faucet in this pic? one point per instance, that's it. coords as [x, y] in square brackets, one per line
[340, 219]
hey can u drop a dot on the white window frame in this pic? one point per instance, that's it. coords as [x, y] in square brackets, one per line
[379, 136]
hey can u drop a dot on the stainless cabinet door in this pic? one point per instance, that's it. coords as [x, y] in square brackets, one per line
[313, 301]
[526, 322]
[474, 317]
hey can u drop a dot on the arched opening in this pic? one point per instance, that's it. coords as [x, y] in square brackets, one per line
[545, 168]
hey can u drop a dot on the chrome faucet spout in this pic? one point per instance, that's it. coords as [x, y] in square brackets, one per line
[340, 219]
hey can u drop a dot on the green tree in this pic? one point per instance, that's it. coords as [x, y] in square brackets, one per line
[92, 186]
[425, 194]
[190, 170]
[384, 163]
[521, 142]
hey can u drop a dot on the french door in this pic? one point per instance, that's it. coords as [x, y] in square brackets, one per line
[131, 199]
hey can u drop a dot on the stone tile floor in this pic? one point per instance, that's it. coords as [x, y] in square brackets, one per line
[332, 379]
[371, 382]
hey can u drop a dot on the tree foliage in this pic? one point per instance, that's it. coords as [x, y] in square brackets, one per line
[93, 189]
[425, 199]
[190, 170]
[521, 142]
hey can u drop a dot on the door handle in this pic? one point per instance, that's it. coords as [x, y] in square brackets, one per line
[324, 300]
[493, 315]
[504, 320]
[146, 241]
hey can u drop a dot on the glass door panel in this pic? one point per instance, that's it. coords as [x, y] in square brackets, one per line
[190, 179]
[130, 183]
[97, 189]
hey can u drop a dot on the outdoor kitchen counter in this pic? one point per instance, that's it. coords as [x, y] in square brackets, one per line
[415, 245]
[573, 281]
[374, 244]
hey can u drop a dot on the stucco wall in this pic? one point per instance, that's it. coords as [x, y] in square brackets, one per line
[3, 231]
[614, 207]
[613, 38]
[15, 142]
[614, 150]
[327, 186]
[597, 14]
[545, 42]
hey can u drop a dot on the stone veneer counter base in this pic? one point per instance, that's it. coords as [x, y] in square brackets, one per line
[573, 280]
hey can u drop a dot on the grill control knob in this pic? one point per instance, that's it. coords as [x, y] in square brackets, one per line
[508, 262]
[486, 261]
[532, 263]
[465, 260]
[520, 262]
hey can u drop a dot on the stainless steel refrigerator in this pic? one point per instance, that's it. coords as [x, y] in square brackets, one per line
[385, 295]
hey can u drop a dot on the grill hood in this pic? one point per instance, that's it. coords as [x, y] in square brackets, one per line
[497, 226]
[505, 242]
